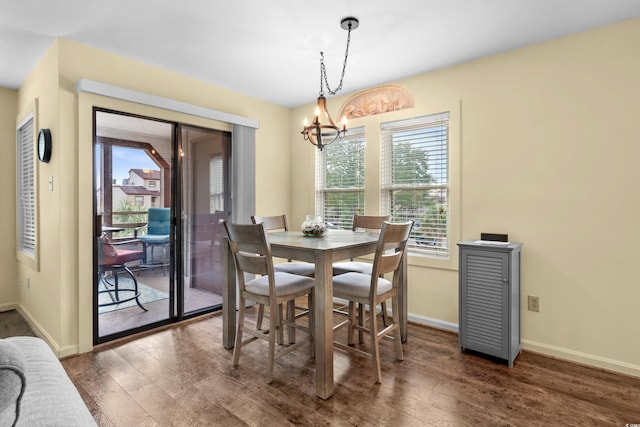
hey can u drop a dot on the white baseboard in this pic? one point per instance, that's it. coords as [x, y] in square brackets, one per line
[434, 323]
[42, 333]
[582, 358]
[8, 306]
[545, 349]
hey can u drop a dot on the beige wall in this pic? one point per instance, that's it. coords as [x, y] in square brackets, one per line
[8, 114]
[60, 298]
[549, 145]
[41, 300]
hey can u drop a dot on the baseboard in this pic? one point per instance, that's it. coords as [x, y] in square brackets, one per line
[42, 333]
[8, 306]
[545, 349]
[434, 323]
[582, 358]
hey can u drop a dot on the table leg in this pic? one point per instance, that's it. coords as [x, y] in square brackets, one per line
[323, 312]
[228, 296]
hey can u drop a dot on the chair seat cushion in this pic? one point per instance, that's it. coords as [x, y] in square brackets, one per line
[122, 256]
[352, 266]
[357, 285]
[152, 239]
[299, 268]
[286, 284]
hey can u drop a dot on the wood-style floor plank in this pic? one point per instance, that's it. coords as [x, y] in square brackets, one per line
[182, 376]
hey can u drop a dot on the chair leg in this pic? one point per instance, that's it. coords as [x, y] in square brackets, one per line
[385, 317]
[135, 287]
[312, 323]
[116, 287]
[238, 344]
[352, 321]
[275, 327]
[260, 316]
[397, 337]
[164, 260]
[280, 328]
[291, 316]
[361, 313]
[375, 347]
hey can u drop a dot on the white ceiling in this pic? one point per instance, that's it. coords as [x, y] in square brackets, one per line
[269, 49]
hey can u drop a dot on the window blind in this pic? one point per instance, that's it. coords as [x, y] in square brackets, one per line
[340, 180]
[26, 187]
[216, 184]
[415, 179]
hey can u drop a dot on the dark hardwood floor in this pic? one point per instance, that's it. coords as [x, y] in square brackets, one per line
[182, 376]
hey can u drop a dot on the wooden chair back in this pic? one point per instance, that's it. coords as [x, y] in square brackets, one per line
[390, 249]
[369, 222]
[251, 250]
[272, 223]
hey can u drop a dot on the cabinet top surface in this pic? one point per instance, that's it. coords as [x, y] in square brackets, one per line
[490, 245]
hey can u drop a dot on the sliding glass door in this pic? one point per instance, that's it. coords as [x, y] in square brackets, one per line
[161, 190]
[205, 203]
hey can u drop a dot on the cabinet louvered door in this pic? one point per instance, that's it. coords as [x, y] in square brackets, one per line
[484, 322]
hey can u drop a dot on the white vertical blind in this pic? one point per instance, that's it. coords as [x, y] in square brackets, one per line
[243, 174]
[340, 181]
[26, 187]
[415, 179]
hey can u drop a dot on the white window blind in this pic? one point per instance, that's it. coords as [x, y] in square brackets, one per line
[415, 180]
[216, 184]
[26, 187]
[340, 180]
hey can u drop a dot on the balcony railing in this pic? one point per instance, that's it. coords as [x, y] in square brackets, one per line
[133, 223]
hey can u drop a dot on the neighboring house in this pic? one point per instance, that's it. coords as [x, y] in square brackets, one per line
[146, 178]
[141, 196]
[142, 188]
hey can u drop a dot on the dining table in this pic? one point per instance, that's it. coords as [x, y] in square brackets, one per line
[323, 251]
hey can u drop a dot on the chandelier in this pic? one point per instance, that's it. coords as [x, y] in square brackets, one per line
[323, 131]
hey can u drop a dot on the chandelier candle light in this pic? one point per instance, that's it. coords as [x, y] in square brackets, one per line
[323, 131]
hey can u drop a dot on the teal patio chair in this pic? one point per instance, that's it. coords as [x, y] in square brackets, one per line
[158, 230]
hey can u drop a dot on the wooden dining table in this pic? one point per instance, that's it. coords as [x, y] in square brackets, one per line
[323, 251]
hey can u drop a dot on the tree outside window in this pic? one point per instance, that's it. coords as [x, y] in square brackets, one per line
[415, 180]
[340, 179]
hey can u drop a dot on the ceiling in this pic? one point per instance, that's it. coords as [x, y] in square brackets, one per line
[270, 49]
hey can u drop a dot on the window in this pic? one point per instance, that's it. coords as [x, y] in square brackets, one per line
[415, 180]
[26, 187]
[139, 200]
[340, 180]
[216, 184]
[152, 184]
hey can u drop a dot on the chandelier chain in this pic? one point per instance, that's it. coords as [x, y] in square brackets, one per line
[323, 70]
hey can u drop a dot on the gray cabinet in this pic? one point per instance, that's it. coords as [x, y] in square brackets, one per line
[489, 308]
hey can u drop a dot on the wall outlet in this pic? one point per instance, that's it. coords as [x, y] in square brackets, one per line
[533, 303]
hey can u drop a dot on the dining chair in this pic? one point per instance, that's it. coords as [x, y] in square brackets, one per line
[366, 223]
[252, 255]
[372, 289]
[114, 260]
[279, 223]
